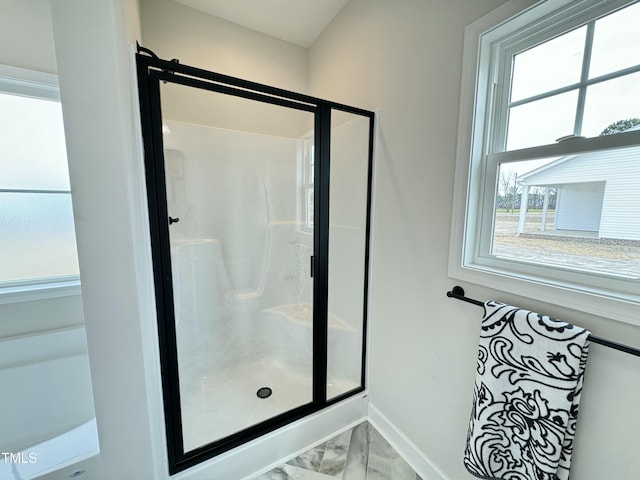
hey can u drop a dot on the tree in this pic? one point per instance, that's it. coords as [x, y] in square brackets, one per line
[620, 126]
[509, 188]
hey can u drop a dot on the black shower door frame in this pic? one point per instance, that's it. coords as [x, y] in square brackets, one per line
[151, 72]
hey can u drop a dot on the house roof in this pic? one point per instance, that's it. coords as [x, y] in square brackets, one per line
[586, 167]
[526, 177]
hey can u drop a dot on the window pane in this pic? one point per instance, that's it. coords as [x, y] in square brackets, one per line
[542, 122]
[609, 102]
[615, 42]
[38, 237]
[347, 255]
[32, 144]
[581, 212]
[550, 65]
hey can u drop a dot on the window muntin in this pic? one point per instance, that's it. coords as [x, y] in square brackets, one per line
[553, 80]
[37, 245]
[558, 112]
[600, 111]
[307, 195]
[508, 130]
[531, 73]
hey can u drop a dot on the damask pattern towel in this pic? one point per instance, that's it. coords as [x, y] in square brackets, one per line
[525, 403]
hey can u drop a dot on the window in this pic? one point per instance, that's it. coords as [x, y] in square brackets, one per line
[308, 172]
[548, 169]
[37, 244]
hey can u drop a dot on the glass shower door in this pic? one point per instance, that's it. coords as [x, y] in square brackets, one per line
[259, 216]
[348, 254]
[239, 189]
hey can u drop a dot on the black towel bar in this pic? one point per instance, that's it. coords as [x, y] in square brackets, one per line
[457, 292]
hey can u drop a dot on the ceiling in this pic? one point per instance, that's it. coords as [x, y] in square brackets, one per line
[295, 21]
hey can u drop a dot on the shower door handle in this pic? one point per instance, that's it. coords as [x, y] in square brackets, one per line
[311, 266]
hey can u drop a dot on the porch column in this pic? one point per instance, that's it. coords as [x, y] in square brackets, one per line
[545, 208]
[524, 200]
[555, 217]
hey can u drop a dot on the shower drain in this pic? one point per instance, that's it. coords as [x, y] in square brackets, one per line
[264, 392]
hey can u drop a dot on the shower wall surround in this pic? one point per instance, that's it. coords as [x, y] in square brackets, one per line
[259, 203]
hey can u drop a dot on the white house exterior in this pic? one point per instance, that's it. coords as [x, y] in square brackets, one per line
[597, 192]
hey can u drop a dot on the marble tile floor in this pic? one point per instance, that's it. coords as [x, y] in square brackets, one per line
[357, 454]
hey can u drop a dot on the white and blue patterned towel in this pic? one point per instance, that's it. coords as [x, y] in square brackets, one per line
[525, 401]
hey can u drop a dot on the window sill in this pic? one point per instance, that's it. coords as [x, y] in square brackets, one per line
[619, 307]
[39, 291]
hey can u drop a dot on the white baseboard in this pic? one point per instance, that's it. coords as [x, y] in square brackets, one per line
[405, 447]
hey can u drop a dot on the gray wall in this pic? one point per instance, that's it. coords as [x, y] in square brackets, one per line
[26, 36]
[404, 58]
[400, 57]
[173, 30]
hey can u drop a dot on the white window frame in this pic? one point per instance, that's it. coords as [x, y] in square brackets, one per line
[489, 43]
[31, 83]
[305, 197]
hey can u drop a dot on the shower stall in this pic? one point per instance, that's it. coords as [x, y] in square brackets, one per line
[259, 208]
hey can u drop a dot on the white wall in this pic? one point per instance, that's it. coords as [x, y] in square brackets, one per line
[236, 185]
[33, 316]
[404, 58]
[94, 42]
[173, 30]
[26, 36]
